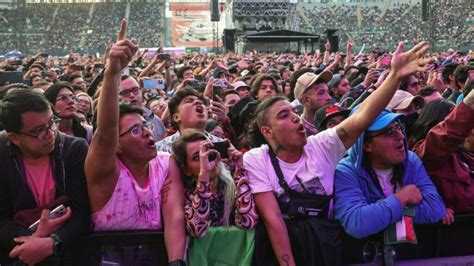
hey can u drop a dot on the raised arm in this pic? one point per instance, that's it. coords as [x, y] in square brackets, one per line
[348, 54]
[403, 64]
[101, 166]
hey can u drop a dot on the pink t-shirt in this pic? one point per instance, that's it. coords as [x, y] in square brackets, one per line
[40, 180]
[131, 206]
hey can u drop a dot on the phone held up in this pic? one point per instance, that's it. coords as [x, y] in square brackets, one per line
[221, 147]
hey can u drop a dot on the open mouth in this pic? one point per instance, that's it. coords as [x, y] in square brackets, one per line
[151, 144]
[400, 147]
[301, 129]
[199, 109]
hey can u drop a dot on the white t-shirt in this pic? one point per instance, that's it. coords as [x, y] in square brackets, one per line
[316, 166]
[384, 177]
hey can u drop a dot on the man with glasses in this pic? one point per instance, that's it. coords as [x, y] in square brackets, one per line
[380, 179]
[131, 185]
[41, 169]
[130, 92]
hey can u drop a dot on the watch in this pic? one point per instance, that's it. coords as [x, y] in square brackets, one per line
[58, 244]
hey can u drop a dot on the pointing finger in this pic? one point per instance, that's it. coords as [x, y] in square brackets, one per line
[123, 28]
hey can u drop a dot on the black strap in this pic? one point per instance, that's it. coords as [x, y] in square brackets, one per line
[276, 167]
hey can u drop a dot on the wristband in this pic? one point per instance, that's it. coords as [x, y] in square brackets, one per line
[58, 244]
[177, 263]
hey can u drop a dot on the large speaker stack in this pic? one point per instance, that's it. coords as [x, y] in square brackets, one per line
[229, 40]
[425, 10]
[214, 10]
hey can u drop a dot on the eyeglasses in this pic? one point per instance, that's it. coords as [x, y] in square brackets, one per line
[42, 133]
[82, 101]
[137, 130]
[390, 132]
[67, 98]
[126, 93]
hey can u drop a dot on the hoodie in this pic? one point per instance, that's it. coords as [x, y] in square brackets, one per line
[362, 209]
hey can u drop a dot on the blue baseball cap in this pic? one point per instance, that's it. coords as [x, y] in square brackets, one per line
[382, 121]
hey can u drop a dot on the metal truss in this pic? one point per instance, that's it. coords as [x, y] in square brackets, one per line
[261, 8]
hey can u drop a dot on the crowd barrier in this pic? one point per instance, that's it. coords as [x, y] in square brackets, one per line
[437, 244]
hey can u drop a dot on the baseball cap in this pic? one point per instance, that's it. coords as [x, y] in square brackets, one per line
[240, 84]
[335, 80]
[327, 112]
[217, 72]
[402, 99]
[308, 79]
[382, 121]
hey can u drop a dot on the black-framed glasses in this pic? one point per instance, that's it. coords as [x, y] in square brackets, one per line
[42, 133]
[67, 98]
[137, 129]
[126, 93]
[391, 131]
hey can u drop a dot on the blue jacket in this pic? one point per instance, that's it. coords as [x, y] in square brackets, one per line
[363, 210]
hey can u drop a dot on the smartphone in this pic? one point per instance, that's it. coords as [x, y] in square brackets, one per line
[56, 213]
[150, 84]
[45, 55]
[217, 91]
[164, 57]
[11, 77]
[221, 83]
[220, 147]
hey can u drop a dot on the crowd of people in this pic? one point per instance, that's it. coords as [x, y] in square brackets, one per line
[285, 151]
[79, 27]
[372, 25]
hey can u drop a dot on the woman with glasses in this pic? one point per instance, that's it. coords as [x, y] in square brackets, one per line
[61, 95]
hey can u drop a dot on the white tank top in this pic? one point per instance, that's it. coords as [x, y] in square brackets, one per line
[132, 207]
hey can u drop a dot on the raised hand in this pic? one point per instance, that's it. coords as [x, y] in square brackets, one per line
[121, 52]
[327, 46]
[405, 63]
[206, 166]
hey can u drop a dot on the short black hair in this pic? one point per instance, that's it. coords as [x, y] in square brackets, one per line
[180, 72]
[18, 102]
[176, 100]
[427, 91]
[126, 108]
[447, 71]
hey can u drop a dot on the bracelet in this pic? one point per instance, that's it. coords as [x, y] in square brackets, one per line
[177, 263]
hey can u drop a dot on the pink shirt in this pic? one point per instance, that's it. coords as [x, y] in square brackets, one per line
[40, 180]
[131, 206]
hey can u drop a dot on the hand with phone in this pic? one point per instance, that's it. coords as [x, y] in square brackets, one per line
[217, 109]
[50, 222]
[209, 158]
